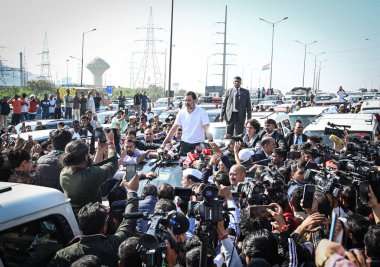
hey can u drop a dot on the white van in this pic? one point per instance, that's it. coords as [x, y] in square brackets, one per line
[360, 125]
[35, 222]
[371, 106]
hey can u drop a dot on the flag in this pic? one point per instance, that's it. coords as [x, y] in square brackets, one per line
[266, 67]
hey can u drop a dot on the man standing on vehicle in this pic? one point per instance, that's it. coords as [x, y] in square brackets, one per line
[236, 107]
[121, 100]
[194, 123]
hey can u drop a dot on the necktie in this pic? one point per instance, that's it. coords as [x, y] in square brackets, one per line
[296, 139]
[237, 97]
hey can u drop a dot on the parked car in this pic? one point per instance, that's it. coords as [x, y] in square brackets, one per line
[213, 115]
[360, 124]
[35, 222]
[370, 106]
[48, 124]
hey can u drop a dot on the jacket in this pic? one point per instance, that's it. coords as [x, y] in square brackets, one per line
[279, 138]
[48, 170]
[290, 139]
[244, 105]
[105, 247]
[82, 185]
[146, 205]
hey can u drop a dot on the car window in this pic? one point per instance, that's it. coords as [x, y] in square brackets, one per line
[213, 117]
[34, 243]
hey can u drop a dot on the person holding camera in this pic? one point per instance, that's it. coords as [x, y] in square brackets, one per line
[79, 179]
[92, 219]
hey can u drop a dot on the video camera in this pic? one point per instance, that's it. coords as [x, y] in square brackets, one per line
[152, 245]
[335, 129]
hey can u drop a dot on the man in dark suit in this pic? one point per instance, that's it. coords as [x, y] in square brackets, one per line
[268, 144]
[297, 136]
[270, 130]
[236, 107]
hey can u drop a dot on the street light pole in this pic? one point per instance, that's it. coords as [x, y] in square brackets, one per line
[319, 73]
[81, 70]
[271, 57]
[304, 60]
[170, 54]
[67, 72]
[315, 68]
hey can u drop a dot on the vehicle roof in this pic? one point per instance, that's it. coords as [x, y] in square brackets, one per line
[310, 110]
[35, 134]
[371, 104]
[26, 199]
[358, 122]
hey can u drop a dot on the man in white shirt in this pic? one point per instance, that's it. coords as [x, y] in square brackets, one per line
[194, 123]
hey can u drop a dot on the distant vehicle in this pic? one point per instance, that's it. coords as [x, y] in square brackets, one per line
[208, 106]
[166, 114]
[322, 98]
[307, 114]
[295, 97]
[102, 115]
[159, 110]
[35, 222]
[370, 106]
[255, 101]
[361, 125]
[162, 102]
[39, 136]
[218, 130]
[284, 107]
[48, 124]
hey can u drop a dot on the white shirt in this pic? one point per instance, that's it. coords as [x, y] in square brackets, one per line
[192, 124]
[236, 92]
[52, 105]
[24, 108]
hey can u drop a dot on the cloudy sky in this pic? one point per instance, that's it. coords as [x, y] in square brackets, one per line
[345, 30]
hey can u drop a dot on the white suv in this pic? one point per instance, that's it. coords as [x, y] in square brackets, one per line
[35, 222]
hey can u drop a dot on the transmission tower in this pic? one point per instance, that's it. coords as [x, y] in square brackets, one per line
[45, 73]
[5, 71]
[148, 73]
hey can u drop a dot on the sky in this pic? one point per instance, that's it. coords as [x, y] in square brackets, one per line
[347, 33]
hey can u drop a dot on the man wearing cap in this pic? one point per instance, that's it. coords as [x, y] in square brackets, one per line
[194, 123]
[33, 102]
[190, 176]
[236, 107]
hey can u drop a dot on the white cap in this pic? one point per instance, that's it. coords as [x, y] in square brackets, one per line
[194, 172]
[245, 155]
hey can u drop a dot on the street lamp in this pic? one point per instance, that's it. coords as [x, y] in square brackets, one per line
[319, 73]
[304, 60]
[78, 70]
[170, 53]
[81, 70]
[271, 57]
[67, 72]
[315, 68]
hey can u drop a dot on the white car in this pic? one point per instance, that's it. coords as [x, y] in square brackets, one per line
[359, 125]
[307, 114]
[35, 222]
[163, 102]
[371, 106]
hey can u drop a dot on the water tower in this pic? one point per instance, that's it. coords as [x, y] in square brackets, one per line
[98, 66]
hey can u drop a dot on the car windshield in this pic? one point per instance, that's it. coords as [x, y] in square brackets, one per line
[305, 119]
[218, 132]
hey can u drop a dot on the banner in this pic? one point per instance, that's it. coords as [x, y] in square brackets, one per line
[266, 67]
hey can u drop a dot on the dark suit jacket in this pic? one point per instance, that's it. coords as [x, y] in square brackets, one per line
[244, 105]
[290, 139]
[279, 138]
[259, 155]
[146, 205]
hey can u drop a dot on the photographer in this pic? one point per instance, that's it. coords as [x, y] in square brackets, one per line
[92, 241]
[79, 179]
[297, 178]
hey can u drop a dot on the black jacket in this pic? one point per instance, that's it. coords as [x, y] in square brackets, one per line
[279, 138]
[290, 139]
[105, 247]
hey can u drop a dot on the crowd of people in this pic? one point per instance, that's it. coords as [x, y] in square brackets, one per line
[267, 221]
